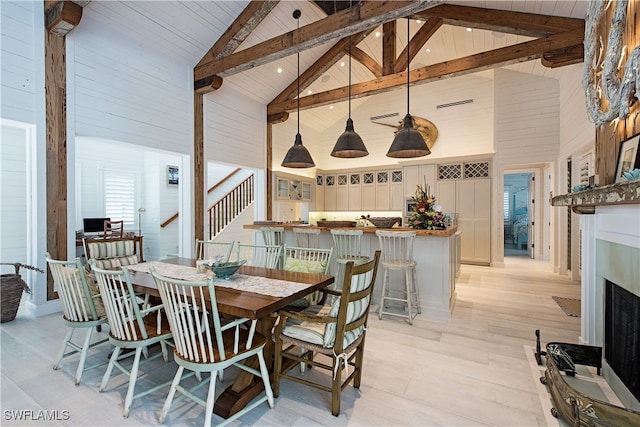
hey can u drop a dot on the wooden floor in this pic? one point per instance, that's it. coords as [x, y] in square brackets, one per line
[470, 370]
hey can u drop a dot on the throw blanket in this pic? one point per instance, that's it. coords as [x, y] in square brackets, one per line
[241, 282]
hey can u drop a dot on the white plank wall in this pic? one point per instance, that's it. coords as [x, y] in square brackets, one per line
[128, 92]
[20, 53]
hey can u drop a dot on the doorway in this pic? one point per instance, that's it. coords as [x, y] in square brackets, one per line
[517, 214]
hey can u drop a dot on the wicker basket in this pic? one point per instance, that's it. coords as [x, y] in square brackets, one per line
[11, 287]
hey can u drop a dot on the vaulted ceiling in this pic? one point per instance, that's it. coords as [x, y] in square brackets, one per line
[259, 57]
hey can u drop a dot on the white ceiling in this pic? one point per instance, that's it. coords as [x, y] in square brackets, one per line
[186, 30]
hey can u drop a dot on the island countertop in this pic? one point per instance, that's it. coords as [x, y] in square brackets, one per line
[449, 231]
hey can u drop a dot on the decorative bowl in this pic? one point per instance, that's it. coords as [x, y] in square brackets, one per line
[631, 175]
[225, 270]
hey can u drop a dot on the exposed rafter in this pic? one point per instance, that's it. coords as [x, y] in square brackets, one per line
[366, 60]
[388, 47]
[521, 52]
[520, 23]
[417, 42]
[360, 17]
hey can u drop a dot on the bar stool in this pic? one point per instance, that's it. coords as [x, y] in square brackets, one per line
[307, 237]
[274, 236]
[347, 244]
[397, 254]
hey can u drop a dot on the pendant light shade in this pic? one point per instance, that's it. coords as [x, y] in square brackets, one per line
[408, 142]
[298, 156]
[349, 144]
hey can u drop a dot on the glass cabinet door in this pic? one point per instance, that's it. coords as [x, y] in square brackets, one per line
[306, 191]
[283, 188]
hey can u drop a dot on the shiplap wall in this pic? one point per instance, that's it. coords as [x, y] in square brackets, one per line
[527, 117]
[124, 91]
[20, 54]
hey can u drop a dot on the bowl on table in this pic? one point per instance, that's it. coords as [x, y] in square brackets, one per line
[224, 270]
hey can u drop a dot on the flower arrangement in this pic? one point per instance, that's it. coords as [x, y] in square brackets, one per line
[427, 215]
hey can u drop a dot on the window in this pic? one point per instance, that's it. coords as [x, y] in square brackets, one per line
[120, 196]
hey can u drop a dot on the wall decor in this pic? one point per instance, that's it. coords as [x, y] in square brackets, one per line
[628, 158]
[173, 175]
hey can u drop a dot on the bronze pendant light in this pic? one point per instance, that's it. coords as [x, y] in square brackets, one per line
[408, 142]
[298, 156]
[349, 144]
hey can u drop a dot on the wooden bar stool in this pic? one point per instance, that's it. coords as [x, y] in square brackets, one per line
[307, 237]
[397, 254]
[348, 244]
[274, 236]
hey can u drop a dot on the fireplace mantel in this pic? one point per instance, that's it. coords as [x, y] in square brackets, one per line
[585, 202]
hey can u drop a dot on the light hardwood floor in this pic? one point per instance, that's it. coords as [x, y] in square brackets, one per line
[470, 370]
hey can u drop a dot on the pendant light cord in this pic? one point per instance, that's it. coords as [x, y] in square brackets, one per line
[408, 63]
[298, 26]
[350, 5]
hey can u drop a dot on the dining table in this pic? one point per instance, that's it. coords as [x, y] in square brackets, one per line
[256, 293]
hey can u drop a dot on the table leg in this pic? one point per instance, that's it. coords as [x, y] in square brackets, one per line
[247, 386]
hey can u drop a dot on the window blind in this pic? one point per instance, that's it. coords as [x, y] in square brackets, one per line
[119, 197]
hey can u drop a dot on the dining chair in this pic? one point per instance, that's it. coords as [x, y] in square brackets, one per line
[337, 331]
[131, 327]
[307, 260]
[208, 249]
[82, 308]
[113, 229]
[307, 237]
[397, 255]
[205, 344]
[267, 256]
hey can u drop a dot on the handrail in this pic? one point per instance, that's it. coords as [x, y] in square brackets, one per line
[232, 204]
[226, 178]
[222, 181]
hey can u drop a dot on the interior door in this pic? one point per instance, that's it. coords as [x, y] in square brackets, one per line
[532, 213]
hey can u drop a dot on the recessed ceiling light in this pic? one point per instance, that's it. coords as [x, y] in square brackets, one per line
[330, 107]
[309, 92]
[342, 64]
[279, 70]
[428, 50]
[418, 21]
[469, 29]
[325, 78]
[377, 33]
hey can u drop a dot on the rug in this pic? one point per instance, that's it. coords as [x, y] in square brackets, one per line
[570, 306]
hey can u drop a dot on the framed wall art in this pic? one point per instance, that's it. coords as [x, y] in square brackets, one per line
[173, 175]
[628, 157]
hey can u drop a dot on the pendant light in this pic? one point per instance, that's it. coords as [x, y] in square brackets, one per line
[408, 141]
[349, 144]
[298, 156]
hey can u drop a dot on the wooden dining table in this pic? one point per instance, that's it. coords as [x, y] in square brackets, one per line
[242, 303]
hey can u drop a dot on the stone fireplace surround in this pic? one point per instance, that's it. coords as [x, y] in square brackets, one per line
[610, 250]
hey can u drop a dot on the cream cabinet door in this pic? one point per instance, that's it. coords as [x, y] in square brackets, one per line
[330, 193]
[473, 202]
[382, 190]
[342, 192]
[355, 191]
[320, 184]
[368, 196]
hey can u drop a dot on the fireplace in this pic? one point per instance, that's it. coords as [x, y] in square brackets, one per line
[622, 335]
[611, 254]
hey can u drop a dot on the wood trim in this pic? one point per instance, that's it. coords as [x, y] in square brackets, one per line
[418, 40]
[207, 85]
[223, 180]
[198, 166]
[521, 23]
[170, 220]
[360, 17]
[388, 47]
[239, 30]
[269, 177]
[491, 59]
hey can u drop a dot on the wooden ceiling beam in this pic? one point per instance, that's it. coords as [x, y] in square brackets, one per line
[324, 63]
[562, 57]
[419, 39]
[366, 60]
[388, 47]
[482, 61]
[61, 17]
[521, 23]
[361, 16]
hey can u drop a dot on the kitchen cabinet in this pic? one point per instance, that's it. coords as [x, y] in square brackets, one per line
[355, 191]
[342, 192]
[368, 196]
[293, 189]
[330, 193]
[396, 192]
[417, 174]
[319, 193]
[382, 191]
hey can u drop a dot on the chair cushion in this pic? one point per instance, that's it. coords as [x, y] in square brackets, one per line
[105, 250]
[354, 311]
[308, 331]
[93, 290]
[117, 262]
[305, 266]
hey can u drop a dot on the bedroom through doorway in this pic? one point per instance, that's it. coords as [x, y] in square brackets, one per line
[517, 213]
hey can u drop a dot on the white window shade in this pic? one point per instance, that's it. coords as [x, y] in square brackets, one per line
[120, 197]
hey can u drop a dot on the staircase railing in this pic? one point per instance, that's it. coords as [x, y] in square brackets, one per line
[232, 204]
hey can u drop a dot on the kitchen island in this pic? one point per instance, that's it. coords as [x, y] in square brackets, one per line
[437, 253]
